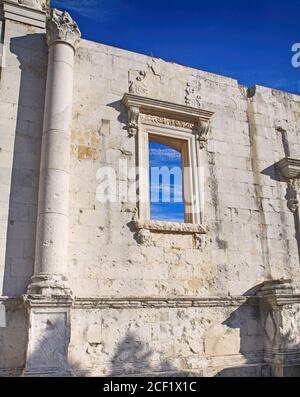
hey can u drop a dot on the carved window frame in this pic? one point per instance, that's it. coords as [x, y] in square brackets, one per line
[147, 117]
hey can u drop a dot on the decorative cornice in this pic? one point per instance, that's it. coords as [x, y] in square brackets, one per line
[154, 106]
[12, 302]
[278, 293]
[160, 302]
[152, 119]
[272, 294]
[292, 194]
[289, 167]
[40, 301]
[153, 111]
[30, 12]
[62, 28]
[36, 4]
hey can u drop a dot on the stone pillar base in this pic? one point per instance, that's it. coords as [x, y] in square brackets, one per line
[49, 285]
[280, 309]
[48, 337]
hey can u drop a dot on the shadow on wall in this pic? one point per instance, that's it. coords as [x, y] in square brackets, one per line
[132, 356]
[13, 338]
[291, 198]
[31, 52]
[242, 341]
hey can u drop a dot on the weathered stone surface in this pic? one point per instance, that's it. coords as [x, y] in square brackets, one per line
[152, 298]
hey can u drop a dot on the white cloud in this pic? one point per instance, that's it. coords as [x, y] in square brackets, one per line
[169, 153]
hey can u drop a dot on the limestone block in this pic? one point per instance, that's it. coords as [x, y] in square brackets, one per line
[94, 334]
[221, 340]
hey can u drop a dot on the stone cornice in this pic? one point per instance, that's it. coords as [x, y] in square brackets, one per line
[155, 111]
[175, 111]
[271, 295]
[279, 293]
[289, 167]
[161, 302]
[30, 12]
[141, 302]
[62, 28]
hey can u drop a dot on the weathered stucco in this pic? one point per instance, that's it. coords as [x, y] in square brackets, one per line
[156, 302]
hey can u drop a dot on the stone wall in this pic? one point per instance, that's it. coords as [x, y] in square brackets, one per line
[164, 305]
[21, 122]
[244, 194]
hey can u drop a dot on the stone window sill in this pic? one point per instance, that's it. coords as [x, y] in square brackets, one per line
[170, 227]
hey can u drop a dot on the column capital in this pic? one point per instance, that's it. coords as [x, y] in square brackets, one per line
[61, 27]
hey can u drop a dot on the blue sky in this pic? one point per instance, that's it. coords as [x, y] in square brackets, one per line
[166, 201]
[249, 40]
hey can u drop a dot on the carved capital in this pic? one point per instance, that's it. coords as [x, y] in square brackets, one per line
[203, 129]
[133, 120]
[61, 27]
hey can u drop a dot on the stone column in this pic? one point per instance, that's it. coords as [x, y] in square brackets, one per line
[49, 298]
[280, 309]
[49, 277]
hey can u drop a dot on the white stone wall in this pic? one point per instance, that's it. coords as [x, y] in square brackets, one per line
[251, 231]
[164, 340]
[22, 96]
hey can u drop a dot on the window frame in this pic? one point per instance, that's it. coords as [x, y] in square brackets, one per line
[152, 116]
[192, 184]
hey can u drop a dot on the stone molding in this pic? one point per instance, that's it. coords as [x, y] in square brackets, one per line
[145, 228]
[62, 28]
[172, 227]
[30, 12]
[160, 302]
[38, 301]
[278, 293]
[289, 167]
[49, 285]
[149, 118]
[154, 111]
[279, 305]
[290, 170]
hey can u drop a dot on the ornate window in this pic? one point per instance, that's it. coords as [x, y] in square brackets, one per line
[180, 128]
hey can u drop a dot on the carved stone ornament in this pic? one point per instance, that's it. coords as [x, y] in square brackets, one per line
[40, 5]
[61, 27]
[193, 97]
[203, 129]
[144, 236]
[289, 167]
[149, 118]
[200, 241]
[154, 111]
[133, 120]
[137, 82]
[281, 125]
[292, 195]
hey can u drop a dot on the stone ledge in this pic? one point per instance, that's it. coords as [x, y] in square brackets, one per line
[167, 302]
[24, 14]
[155, 106]
[289, 167]
[171, 227]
